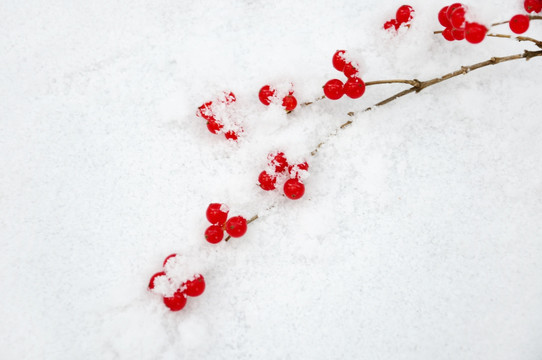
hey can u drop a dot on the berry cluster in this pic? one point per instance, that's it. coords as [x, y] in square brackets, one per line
[292, 176]
[354, 87]
[217, 214]
[403, 16]
[218, 118]
[457, 28]
[270, 95]
[171, 285]
[533, 6]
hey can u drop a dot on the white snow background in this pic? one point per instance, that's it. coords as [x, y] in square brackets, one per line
[419, 235]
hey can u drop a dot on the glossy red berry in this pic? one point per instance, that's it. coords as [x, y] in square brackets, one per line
[391, 24]
[458, 34]
[214, 234]
[334, 89]
[294, 189]
[175, 302]
[169, 258]
[457, 18]
[195, 287]
[289, 102]
[533, 6]
[447, 34]
[475, 33]
[451, 9]
[214, 126]
[404, 14]
[153, 278]
[354, 87]
[519, 23]
[229, 98]
[350, 70]
[205, 111]
[338, 60]
[443, 17]
[266, 94]
[217, 213]
[231, 135]
[279, 161]
[267, 181]
[295, 170]
[236, 226]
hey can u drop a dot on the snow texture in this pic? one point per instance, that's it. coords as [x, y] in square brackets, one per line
[419, 235]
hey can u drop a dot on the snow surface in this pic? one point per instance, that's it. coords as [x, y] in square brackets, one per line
[419, 235]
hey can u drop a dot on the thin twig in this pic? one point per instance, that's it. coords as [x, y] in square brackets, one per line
[315, 100]
[518, 38]
[378, 82]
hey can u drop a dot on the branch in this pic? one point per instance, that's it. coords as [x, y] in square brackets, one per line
[417, 86]
[518, 38]
[424, 84]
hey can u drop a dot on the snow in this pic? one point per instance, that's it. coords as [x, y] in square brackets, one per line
[418, 237]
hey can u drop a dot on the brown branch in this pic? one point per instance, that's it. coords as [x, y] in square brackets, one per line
[424, 84]
[518, 38]
[311, 102]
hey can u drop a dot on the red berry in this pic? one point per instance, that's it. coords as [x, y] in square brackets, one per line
[151, 282]
[229, 97]
[519, 24]
[266, 94]
[338, 60]
[214, 234]
[294, 170]
[448, 35]
[391, 23]
[175, 302]
[350, 70]
[458, 34]
[404, 14]
[279, 161]
[533, 6]
[214, 126]
[475, 33]
[289, 102]
[195, 287]
[451, 9]
[294, 189]
[443, 17]
[457, 17]
[334, 89]
[354, 87]
[217, 213]
[168, 258]
[205, 111]
[231, 135]
[236, 226]
[267, 182]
